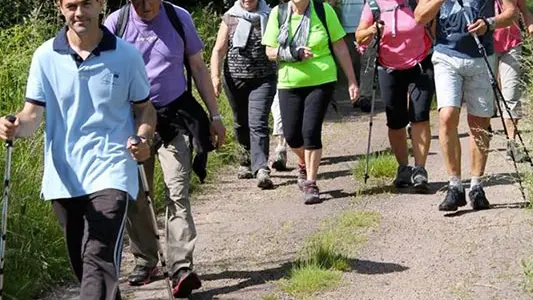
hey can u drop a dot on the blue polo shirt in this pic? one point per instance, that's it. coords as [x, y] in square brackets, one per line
[88, 114]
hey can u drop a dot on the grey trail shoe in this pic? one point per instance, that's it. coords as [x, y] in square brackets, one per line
[245, 172]
[514, 149]
[403, 176]
[263, 179]
[419, 178]
[311, 192]
[280, 159]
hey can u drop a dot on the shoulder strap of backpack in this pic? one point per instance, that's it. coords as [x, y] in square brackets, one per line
[123, 18]
[321, 13]
[283, 13]
[178, 26]
[374, 8]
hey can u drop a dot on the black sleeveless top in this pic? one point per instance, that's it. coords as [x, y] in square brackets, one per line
[250, 62]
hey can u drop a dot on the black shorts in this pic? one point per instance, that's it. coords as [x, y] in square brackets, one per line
[395, 86]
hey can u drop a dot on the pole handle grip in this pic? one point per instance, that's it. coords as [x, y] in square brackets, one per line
[11, 119]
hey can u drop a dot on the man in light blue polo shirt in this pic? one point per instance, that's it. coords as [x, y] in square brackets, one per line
[90, 84]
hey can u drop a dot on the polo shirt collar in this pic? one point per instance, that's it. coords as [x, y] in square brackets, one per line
[107, 43]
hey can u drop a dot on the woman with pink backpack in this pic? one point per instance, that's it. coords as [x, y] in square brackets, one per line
[406, 82]
[508, 48]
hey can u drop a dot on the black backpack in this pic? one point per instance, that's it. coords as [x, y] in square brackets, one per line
[122, 23]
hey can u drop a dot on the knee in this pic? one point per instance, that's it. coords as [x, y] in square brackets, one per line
[295, 142]
[397, 123]
[449, 118]
[312, 140]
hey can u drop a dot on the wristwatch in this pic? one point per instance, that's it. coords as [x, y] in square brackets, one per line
[491, 23]
[148, 141]
[217, 117]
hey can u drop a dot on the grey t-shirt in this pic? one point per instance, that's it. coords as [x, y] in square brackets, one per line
[452, 37]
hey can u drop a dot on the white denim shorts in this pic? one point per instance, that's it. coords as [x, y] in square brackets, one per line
[510, 73]
[459, 80]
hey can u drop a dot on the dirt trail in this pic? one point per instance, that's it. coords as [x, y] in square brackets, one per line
[247, 238]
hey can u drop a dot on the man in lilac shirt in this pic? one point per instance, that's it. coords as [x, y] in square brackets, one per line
[150, 30]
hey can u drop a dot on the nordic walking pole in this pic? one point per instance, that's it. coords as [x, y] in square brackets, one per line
[7, 178]
[499, 99]
[135, 140]
[372, 103]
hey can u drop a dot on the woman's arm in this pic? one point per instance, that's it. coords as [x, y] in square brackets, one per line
[219, 50]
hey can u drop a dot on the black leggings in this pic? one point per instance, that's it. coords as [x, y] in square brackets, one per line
[302, 114]
[394, 86]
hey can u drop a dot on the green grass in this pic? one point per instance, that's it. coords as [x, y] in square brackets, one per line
[304, 281]
[527, 65]
[270, 297]
[382, 165]
[527, 266]
[326, 254]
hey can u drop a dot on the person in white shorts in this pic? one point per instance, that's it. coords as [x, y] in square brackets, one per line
[508, 47]
[461, 75]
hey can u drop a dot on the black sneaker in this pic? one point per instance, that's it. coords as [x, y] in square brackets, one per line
[478, 200]
[302, 177]
[311, 192]
[184, 282]
[141, 275]
[403, 176]
[455, 198]
[419, 177]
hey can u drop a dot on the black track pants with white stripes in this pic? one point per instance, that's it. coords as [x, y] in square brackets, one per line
[94, 226]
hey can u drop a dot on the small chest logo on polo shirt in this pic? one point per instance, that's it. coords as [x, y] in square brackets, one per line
[146, 39]
[111, 78]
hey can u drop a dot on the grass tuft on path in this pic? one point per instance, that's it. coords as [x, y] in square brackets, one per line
[326, 254]
[381, 165]
[306, 280]
[527, 265]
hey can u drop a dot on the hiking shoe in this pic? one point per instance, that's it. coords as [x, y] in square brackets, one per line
[141, 275]
[263, 179]
[403, 176]
[280, 160]
[311, 192]
[302, 177]
[184, 282]
[514, 150]
[478, 200]
[455, 197]
[419, 178]
[245, 172]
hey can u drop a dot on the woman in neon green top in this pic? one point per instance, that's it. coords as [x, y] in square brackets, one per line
[297, 38]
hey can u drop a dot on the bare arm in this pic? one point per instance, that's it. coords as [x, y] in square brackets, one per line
[528, 18]
[427, 10]
[145, 118]
[29, 119]
[508, 14]
[220, 49]
[343, 56]
[272, 53]
[200, 73]
[365, 32]
[207, 93]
